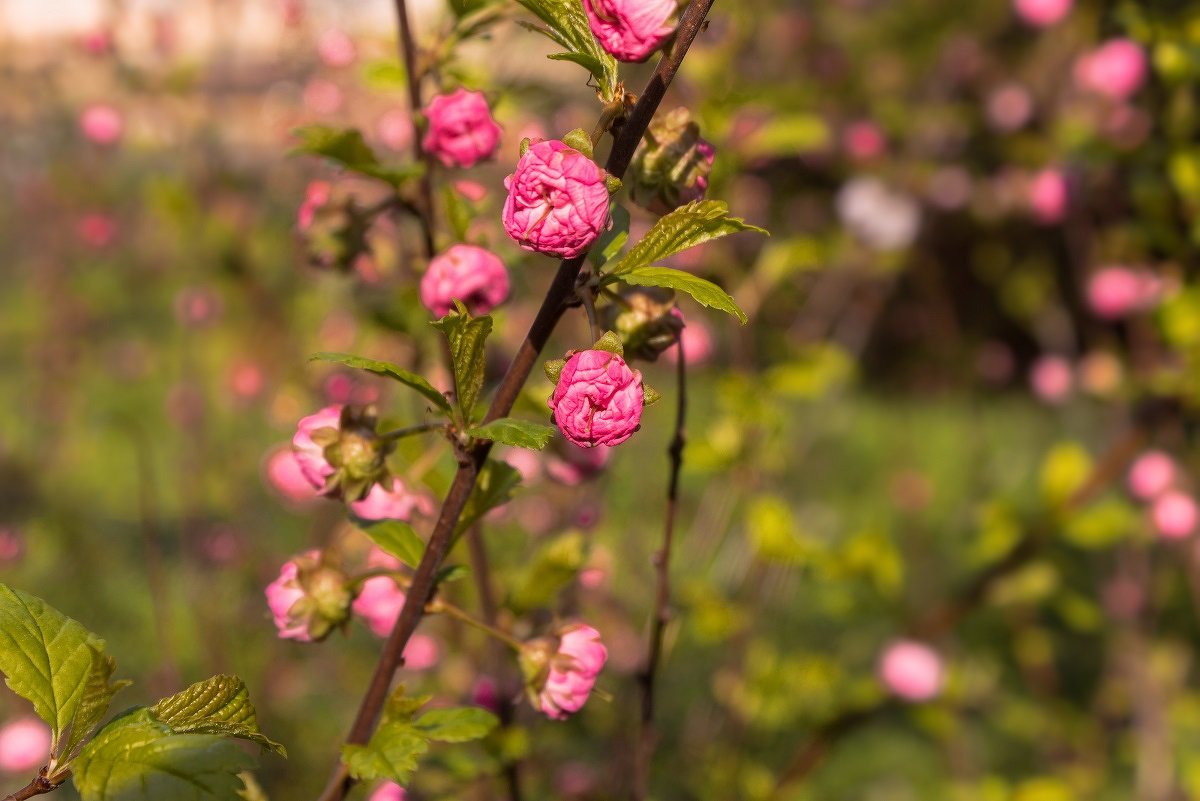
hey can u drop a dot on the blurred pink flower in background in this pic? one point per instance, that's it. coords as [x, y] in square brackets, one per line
[863, 140]
[1048, 196]
[394, 504]
[1042, 13]
[316, 195]
[389, 791]
[1116, 69]
[467, 273]
[379, 604]
[461, 130]
[322, 96]
[471, 190]
[421, 653]
[197, 306]
[1151, 474]
[101, 124]
[97, 42]
[394, 129]
[911, 670]
[1115, 292]
[11, 544]
[486, 694]
[24, 745]
[526, 462]
[697, 342]
[245, 380]
[1052, 379]
[994, 362]
[96, 229]
[1174, 514]
[285, 476]
[336, 48]
[571, 464]
[1010, 107]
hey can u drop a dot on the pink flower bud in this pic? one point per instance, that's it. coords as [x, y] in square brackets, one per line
[1048, 196]
[379, 604]
[911, 670]
[101, 124]
[336, 49]
[24, 745]
[309, 599]
[282, 594]
[1151, 474]
[1051, 379]
[389, 792]
[598, 400]
[1174, 515]
[572, 672]
[396, 503]
[461, 131]
[1042, 13]
[1116, 292]
[557, 200]
[630, 30]
[466, 273]
[1115, 70]
[310, 456]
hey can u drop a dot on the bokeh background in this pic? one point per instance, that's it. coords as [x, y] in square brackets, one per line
[976, 308]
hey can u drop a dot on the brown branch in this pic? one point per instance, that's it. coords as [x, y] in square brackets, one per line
[39, 786]
[647, 736]
[408, 54]
[561, 290]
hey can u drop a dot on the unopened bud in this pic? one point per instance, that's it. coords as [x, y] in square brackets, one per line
[671, 165]
[646, 321]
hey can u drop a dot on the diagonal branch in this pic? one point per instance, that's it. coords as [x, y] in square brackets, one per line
[552, 308]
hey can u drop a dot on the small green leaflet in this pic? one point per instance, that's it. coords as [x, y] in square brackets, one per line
[218, 705]
[520, 433]
[390, 370]
[466, 336]
[456, 725]
[138, 758]
[46, 658]
[567, 26]
[347, 148]
[396, 537]
[702, 291]
[97, 695]
[493, 487]
[687, 226]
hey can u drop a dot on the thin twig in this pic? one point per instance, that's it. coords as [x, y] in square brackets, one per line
[552, 308]
[647, 739]
[408, 54]
[39, 786]
[420, 428]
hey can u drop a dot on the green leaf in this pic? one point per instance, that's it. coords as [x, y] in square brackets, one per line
[138, 758]
[493, 487]
[567, 26]
[686, 227]
[390, 370]
[457, 725]
[611, 241]
[458, 212]
[553, 369]
[704, 292]
[554, 566]
[396, 537]
[46, 658]
[390, 754]
[466, 336]
[218, 705]
[97, 695]
[580, 140]
[521, 433]
[610, 343]
[347, 148]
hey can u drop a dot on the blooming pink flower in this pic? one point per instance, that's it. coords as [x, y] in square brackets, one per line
[379, 604]
[598, 399]
[911, 670]
[24, 745]
[1151, 474]
[395, 130]
[466, 273]
[573, 671]
[389, 791]
[336, 49]
[630, 29]
[394, 504]
[461, 129]
[1051, 379]
[557, 200]
[282, 594]
[1048, 196]
[309, 455]
[101, 124]
[316, 195]
[283, 473]
[1116, 69]
[1175, 515]
[1042, 13]
[96, 230]
[863, 140]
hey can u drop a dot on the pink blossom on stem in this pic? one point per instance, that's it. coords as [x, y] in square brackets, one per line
[1151, 474]
[630, 30]
[101, 124]
[461, 130]
[1042, 13]
[557, 200]
[1174, 514]
[24, 745]
[598, 399]
[396, 503]
[573, 671]
[911, 670]
[309, 455]
[1116, 69]
[1052, 379]
[466, 273]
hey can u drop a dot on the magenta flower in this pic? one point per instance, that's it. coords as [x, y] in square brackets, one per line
[598, 400]
[396, 503]
[1116, 69]
[24, 745]
[630, 30]
[572, 672]
[1151, 474]
[557, 200]
[465, 273]
[379, 604]
[1175, 515]
[461, 131]
[309, 455]
[101, 124]
[911, 670]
